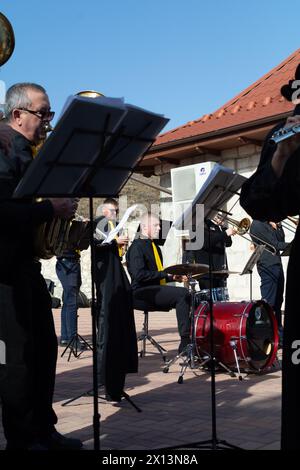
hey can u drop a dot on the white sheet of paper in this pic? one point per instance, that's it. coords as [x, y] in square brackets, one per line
[120, 225]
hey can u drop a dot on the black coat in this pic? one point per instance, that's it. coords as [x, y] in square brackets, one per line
[19, 218]
[260, 230]
[218, 242]
[266, 197]
[117, 343]
[142, 265]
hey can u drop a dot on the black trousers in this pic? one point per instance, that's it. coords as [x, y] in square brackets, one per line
[272, 287]
[167, 297]
[28, 376]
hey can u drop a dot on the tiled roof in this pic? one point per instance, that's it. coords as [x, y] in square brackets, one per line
[259, 101]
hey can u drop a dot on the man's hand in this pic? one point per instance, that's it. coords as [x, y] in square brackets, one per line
[178, 278]
[122, 240]
[64, 208]
[286, 148]
[230, 232]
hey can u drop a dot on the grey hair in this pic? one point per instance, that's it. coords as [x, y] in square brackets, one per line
[17, 97]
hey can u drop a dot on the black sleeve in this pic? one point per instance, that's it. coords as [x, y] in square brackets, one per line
[215, 238]
[227, 239]
[19, 215]
[266, 197]
[137, 268]
[22, 216]
[99, 245]
[260, 230]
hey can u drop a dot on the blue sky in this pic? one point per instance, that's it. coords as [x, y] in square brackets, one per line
[179, 58]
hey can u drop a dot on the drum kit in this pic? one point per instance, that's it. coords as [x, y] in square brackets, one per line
[245, 334]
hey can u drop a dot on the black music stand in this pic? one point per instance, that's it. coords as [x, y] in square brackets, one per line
[92, 152]
[287, 250]
[248, 269]
[220, 186]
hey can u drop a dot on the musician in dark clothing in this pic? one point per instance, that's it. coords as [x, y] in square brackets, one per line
[148, 279]
[272, 193]
[27, 373]
[220, 239]
[116, 341]
[269, 265]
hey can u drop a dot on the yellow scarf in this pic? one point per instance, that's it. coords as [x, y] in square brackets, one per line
[158, 262]
[120, 249]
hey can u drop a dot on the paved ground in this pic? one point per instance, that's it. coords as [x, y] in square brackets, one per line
[248, 411]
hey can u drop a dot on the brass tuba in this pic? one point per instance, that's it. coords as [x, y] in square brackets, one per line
[55, 237]
[7, 39]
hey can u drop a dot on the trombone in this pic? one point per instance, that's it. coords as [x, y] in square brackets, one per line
[243, 226]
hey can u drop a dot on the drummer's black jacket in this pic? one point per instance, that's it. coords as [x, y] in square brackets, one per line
[141, 264]
[18, 218]
[217, 243]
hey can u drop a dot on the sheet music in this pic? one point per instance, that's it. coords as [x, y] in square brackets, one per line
[113, 233]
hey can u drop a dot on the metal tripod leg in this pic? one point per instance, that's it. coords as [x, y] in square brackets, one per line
[73, 345]
[89, 393]
[144, 336]
[189, 361]
[234, 347]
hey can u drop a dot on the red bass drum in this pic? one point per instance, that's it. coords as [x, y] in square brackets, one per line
[250, 326]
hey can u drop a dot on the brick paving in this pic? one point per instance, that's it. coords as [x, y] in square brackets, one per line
[248, 411]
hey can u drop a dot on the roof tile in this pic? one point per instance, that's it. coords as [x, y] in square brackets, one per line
[260, 100]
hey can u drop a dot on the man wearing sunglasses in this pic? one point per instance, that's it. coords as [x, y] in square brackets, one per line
[27, 369]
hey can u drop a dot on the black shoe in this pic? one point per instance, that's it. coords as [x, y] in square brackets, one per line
[183, 344]
[64, 342]
[57, 441]
[114, 398]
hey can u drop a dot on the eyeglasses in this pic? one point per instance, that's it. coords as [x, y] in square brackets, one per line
[43, 115]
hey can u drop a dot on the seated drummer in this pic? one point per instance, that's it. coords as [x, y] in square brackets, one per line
[145, 266]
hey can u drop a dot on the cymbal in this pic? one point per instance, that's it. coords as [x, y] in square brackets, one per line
[187, 268]
[225, 271]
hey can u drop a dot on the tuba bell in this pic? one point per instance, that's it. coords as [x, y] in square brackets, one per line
[7, 39]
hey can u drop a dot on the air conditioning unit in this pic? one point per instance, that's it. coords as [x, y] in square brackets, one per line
[186, 182]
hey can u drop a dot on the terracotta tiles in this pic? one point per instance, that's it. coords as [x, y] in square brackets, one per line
[259, 101]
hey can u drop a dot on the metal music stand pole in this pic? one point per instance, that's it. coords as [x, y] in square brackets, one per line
[92, 152]
[216, 191]
[248, 269]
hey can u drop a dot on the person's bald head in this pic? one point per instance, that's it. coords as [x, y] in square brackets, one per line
[150, 226]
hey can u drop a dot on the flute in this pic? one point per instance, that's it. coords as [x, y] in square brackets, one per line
[285, 133]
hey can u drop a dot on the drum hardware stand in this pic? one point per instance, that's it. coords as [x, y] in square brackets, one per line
[214, 443]
[232, 343]
[188, 353]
